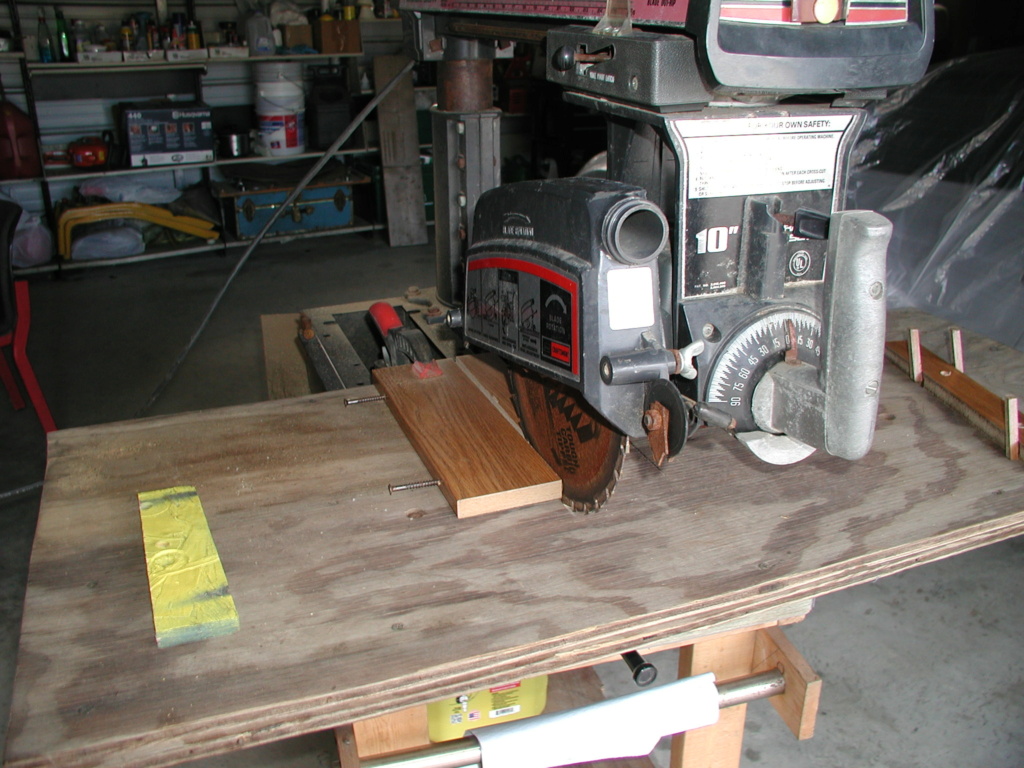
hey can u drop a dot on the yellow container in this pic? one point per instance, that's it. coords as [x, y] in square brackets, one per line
[451, 718]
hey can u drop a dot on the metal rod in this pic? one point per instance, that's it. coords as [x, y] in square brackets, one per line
[466, 751]
[450, 754]
[743, 690]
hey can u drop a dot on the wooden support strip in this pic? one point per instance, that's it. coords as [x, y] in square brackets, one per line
[483, 464]
[956, 348]
[914, 356]
[984, 410]
[1012, 431]
[798, 705]
[719, 745]
[348, 751]
[395, 732]
[400, 154]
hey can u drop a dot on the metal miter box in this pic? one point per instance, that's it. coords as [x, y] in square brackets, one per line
[318, 207]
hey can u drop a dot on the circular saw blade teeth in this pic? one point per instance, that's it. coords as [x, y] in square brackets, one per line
[582, 449]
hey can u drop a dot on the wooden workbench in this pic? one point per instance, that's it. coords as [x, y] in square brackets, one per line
[355, 603]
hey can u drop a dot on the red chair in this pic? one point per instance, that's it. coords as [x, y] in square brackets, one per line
[14, 323]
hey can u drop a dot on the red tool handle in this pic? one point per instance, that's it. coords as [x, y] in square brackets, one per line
[385, 318]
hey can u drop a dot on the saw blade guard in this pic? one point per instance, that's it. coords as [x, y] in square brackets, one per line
[564, 279]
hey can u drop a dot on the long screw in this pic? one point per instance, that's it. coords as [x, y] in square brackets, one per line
[367, 399]
[393, 487]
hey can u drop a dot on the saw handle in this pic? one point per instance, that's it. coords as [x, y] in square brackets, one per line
[385, 318]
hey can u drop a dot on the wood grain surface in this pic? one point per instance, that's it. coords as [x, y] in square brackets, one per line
[484, 464]
[354, 603]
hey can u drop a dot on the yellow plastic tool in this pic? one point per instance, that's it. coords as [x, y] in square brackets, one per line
[72, 217]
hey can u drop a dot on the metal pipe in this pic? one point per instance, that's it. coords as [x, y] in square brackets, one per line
[466, 751]
[746, 689]
[449, 754]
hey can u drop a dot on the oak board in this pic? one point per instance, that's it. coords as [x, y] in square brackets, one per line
[482, 462]
[354, 603]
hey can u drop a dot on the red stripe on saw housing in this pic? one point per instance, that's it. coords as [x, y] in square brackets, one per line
[749, 13]
[781, 13]
[876, 15]
[555, 278]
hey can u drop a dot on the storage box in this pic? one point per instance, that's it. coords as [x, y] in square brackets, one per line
[293, 35]
[228, 52]
[337, 36]
[195, 54]
[143, 57]
[99, 57]
[166, 132]
[319, 207]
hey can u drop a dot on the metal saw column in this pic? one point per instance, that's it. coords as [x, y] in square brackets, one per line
[467, 154]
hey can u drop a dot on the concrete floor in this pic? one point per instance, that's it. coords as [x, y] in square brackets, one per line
[923, 668]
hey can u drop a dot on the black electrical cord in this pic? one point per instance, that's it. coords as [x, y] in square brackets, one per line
[327, 155]
[15, 493]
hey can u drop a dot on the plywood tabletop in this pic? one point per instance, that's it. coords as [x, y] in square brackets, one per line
[353, 602]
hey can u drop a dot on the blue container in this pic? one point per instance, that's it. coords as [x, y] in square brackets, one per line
[318, 207]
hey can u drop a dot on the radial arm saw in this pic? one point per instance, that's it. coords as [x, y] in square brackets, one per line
[709, 273]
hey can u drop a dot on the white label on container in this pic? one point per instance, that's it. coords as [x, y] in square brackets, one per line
[630, 298]
[733, 157]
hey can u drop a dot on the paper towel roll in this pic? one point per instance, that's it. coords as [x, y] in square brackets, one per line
[627, 726]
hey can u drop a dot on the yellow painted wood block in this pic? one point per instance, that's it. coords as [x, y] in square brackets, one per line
[187, 583]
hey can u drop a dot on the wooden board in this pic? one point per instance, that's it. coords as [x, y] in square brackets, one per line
[287, 369]
[483, 464]
[720, 745]
[400, 154]
[489, 373]
[188, 590]
[354, 603]
[798, 704]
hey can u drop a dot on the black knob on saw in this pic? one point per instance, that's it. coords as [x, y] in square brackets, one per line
[564, 58]
[644, 673]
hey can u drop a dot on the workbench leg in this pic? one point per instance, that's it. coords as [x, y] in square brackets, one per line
[719, 745]
[396, 732]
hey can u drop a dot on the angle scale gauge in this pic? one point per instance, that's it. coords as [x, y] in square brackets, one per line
[752, 351]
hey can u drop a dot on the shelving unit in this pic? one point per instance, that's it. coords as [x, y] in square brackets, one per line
[44, 85]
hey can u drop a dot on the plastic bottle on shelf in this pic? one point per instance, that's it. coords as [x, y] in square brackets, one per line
[260, 35]
[99, 34]
[45, 40]
[61, 39]
[80, 35]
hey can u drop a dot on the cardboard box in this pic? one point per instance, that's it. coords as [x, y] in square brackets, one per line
[293, 35]
[166, 132]
[228, 52]
[195, 54]
[143, 57]
[99, 57]
[337, 36]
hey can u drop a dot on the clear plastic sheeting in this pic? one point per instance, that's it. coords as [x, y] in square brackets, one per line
[944, 160]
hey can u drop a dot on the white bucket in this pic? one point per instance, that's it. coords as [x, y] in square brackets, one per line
[280, 109]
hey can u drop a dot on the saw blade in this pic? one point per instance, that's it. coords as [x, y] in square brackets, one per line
[571, 437]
